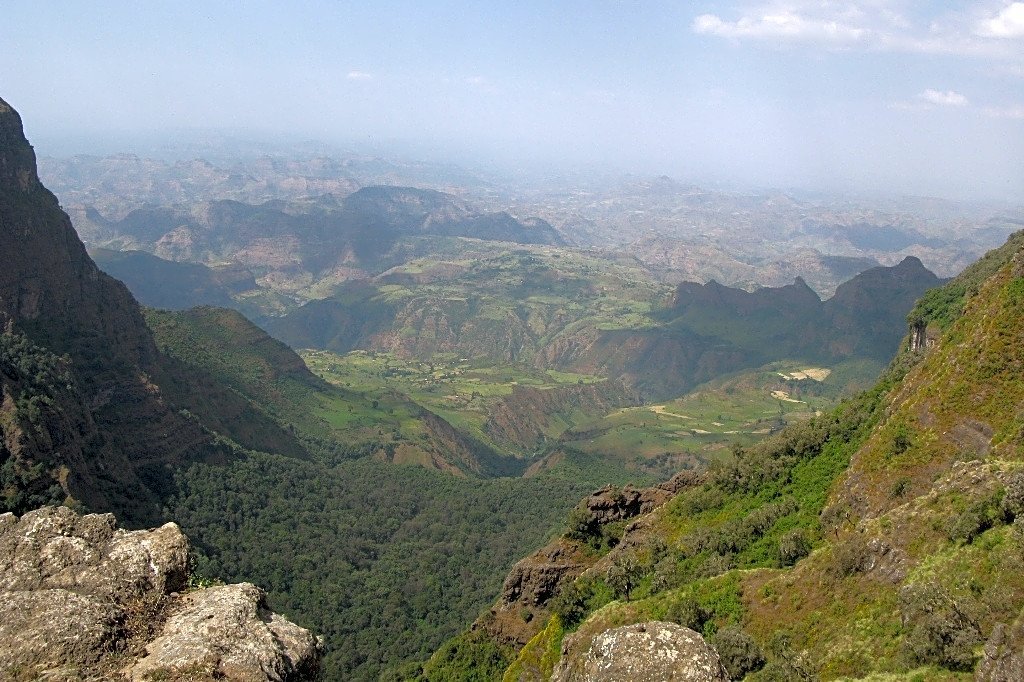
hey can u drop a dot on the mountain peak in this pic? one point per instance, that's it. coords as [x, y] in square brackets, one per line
[17, 159]
[911, 262]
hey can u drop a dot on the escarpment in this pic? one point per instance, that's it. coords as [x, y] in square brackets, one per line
[90, 409]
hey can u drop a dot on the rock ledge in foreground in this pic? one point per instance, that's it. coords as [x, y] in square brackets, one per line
[81, 599]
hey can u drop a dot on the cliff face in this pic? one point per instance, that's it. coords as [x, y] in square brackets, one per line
[49, 287]
[82, 599]
[96, 424]
[82, 412]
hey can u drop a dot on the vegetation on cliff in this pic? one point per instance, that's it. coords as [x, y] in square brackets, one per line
[881, 537]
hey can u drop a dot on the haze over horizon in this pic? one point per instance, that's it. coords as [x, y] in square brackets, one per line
[877, 95]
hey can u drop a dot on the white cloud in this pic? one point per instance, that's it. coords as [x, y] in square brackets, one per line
[780, 24]
[948, 98]
[359, 76]
[1006, 112]
[1008, 23]
[872, 25]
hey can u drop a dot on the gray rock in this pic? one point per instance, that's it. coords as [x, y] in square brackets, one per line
[53, 547]
[44, 629]
[81, 599]
[1003, 657]
[228, 632]
[646, 652]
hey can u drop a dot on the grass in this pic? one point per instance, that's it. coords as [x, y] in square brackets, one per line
[460, 390]
[703, 425]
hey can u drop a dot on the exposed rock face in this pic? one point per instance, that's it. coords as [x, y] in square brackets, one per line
[1003, 658]
[646, 652]
[52, 292]
[228, 631]
[610, 504]
[89, 407]
[533, 582]
[80, 598]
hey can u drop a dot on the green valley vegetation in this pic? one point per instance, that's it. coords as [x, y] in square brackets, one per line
[383, 559]
[880, 538]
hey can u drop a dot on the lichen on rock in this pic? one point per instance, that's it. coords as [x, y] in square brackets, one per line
[645, 652]
[82, 599]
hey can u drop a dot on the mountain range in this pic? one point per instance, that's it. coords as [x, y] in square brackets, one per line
[380, 499]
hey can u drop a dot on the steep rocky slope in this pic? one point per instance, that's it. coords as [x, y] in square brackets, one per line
[883, 538]
[90, 409]
[77, 359]
[82, 599]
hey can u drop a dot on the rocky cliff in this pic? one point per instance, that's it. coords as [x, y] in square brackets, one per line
[83, 411]
[81, 599]
[57, 309]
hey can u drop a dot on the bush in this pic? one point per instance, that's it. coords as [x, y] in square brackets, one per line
[784, 664]
[739, 652]
[850, 556]
[941, 629]
[624, 574]
[577, 600]
[977, 518]
[716, 564]
[793, 546]
[688, 613]
[1013, 498]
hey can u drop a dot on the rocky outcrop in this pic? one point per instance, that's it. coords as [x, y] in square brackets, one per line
[1003, 656]
[524, 604]
[82, 599]
[645, 652]
[611, 504]
[227, 632]
[532, 583]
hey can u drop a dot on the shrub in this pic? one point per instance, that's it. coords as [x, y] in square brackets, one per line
[576, 600]
[738, 651]
[716, 564]
[784, 664]
[850, 556]
[979, 516]
[688, 613]
[793, 546]
[624, 574]
[941, 629]
[1013, 498]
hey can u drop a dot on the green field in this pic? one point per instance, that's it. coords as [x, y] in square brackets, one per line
[457, 389]
[696, 428]
[655, 440]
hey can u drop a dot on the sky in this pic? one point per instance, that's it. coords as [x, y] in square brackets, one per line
[895, 96]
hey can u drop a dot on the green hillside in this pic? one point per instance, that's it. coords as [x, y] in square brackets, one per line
[877, 539]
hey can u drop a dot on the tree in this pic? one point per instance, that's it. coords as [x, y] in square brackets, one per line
[624, 574]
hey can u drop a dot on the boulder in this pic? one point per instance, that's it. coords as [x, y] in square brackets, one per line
[227, 632]
[83, 599]
[645, 652]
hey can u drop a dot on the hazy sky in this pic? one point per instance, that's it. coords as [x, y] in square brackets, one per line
[919, 97]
